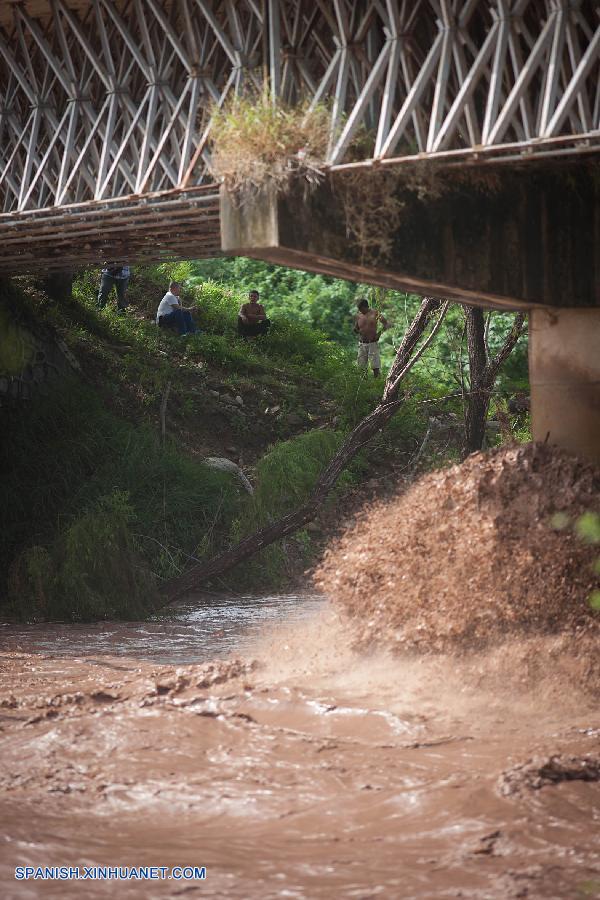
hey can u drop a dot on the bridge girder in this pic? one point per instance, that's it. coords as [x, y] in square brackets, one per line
[104, 100]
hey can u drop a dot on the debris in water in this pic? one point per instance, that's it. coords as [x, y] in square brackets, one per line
[540, 772]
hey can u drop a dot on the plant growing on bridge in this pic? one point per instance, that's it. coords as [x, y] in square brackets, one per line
[257, 143]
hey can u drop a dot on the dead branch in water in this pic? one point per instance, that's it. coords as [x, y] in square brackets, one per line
[406, 357]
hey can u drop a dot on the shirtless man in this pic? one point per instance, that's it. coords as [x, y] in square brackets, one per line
[252, 319]
[366, 325]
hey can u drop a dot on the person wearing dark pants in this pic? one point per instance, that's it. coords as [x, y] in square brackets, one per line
[171, 314]
[252, 319]
[117, 277]
[251, 329]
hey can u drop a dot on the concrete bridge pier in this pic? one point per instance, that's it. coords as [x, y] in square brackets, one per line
[564, 373]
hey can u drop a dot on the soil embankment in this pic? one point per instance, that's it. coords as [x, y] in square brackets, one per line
[474, 554]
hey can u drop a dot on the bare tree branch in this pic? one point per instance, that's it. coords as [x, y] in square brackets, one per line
[483, 372]
[355, 441]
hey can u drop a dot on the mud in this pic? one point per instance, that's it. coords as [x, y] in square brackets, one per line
[470, 555]
[304, 770]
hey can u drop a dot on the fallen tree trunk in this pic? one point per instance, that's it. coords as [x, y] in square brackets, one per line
[404, 360]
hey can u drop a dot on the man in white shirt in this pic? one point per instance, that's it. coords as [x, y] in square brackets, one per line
[171, 314]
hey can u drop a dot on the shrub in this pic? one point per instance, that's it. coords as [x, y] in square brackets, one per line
[102, 574]
[285, 477]
[287, 473]
[92, 571]
[32, 584]
[217, 307]
[66, 455]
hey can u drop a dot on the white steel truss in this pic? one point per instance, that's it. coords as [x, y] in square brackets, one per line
[102, 100]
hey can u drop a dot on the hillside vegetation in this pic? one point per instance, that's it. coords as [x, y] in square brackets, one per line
[99, 508]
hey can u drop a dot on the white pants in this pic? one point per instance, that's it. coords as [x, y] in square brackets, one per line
[368, 353]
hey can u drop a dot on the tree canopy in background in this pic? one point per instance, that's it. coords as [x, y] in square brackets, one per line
[329, 304]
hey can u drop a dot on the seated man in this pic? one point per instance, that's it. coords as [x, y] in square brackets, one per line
[252, 319]
[171, 314]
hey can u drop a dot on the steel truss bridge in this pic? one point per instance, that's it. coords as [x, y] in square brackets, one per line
[105, 105]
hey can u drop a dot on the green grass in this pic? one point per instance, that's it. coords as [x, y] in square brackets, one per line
[294, 357]
[96, 512]
[65, 458]
[285, 477]
[92, 570]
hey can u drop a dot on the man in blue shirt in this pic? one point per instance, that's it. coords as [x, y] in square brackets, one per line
[119, 277]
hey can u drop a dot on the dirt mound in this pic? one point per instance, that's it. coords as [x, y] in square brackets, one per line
[469, 554]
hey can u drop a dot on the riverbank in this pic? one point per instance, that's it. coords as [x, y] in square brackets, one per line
[108, 492]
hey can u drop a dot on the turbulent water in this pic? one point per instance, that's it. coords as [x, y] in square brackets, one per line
[245, 735]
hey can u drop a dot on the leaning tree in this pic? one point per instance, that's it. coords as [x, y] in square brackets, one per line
[407, 355]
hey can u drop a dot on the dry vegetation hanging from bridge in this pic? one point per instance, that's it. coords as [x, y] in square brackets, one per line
[259, 145]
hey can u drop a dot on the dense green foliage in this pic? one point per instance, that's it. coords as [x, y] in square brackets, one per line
[329, 304]
[97, 512]
[79, 476]
[285, 476]
[325, 303]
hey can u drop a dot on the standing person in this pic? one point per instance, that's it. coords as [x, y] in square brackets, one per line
[119, 277]
[252, 319]
[366, 325]
[171, 314]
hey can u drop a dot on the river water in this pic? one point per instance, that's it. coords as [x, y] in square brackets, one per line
[219, 626]
[246, 735]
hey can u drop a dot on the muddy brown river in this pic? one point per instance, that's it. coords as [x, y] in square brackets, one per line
[244, 735]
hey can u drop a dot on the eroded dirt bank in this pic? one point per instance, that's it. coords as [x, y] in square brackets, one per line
[306, 770]
[472, 554]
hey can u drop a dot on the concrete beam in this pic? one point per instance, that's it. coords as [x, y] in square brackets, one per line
[520, 238]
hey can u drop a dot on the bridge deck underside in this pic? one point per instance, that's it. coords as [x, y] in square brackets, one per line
[160, 227]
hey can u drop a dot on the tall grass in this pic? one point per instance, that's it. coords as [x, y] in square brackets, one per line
[285, 477]
[93, 569]
[256, 142]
